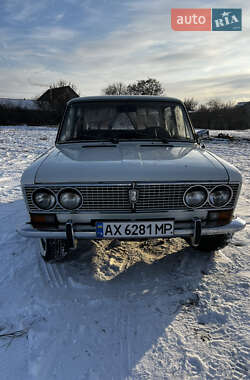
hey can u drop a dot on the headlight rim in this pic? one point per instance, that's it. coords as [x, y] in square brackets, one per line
[190, 188]
[229, 199]
[72, 190]
[48, 191]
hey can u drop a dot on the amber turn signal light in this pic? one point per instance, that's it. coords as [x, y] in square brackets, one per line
[220, 218]
[43, 219]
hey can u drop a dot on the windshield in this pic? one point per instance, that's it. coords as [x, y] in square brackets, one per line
[85, 121]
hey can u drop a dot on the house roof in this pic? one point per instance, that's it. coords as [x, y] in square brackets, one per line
[52, 94]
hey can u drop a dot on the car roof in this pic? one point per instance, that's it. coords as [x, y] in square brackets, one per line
[123, 98]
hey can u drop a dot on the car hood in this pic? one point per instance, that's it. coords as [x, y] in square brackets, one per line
[126, 162]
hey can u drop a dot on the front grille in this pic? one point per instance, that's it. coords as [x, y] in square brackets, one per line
[115, 197]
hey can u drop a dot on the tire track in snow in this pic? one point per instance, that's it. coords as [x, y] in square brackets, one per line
[124, 344]
[118, 327]
[55, 271]
[52, 274]
[121, 355]
[123, 326]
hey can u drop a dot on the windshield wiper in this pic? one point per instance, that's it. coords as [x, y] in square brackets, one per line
[151, 137]
[158, 134]
[113, 140]
[163, 139]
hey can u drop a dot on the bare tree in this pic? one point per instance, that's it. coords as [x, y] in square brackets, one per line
[214, 105]
[149, 86]
[116, 88]
[190, 104]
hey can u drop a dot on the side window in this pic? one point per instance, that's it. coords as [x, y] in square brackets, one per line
[67, 129]
[180, 121]
[170, 123]
[175, 122]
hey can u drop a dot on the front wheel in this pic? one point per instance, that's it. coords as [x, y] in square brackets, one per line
[211, 243]
[53, 249]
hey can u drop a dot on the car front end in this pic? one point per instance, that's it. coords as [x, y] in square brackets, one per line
[136, 182]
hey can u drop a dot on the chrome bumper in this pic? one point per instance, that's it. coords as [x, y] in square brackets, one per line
[27, 230]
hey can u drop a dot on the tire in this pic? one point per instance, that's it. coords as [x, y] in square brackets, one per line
[211, 243]
[53, 249]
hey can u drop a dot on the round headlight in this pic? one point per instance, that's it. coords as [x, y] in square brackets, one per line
[196, 196]
[44, 199]
[220, 196]
[70, 199]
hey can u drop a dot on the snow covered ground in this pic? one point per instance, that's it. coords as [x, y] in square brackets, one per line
[138, 311]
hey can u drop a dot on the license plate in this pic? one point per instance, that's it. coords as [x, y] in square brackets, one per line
[134, 229]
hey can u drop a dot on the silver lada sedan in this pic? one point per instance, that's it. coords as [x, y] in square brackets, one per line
[129, 167]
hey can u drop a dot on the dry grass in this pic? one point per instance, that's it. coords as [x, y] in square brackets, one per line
[114, 257]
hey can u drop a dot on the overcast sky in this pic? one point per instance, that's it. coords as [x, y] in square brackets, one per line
[93, 43]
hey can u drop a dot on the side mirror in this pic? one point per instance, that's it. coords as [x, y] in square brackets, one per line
[202, 134]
